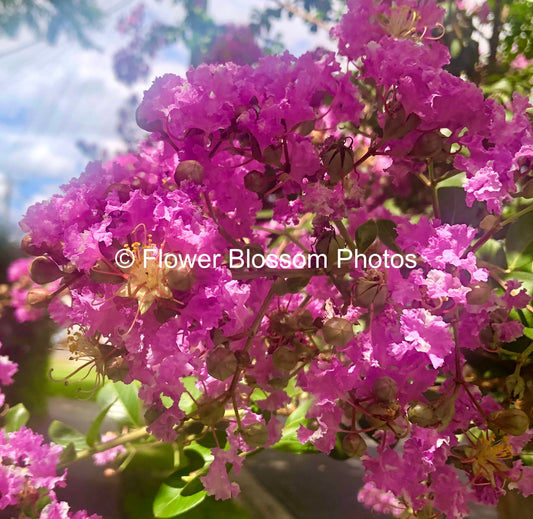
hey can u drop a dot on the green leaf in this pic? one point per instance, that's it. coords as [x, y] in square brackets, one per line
[16, 417]
[175, 495]
[519, 244]
[365, 235]
[93, 435]
[289, 441]
[126, 406]
[387, 234]
[169, 502]
[63, 435]
[154, 459]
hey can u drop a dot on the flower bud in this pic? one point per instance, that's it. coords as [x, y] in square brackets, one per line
[444, 411]
[38, 298]
[181, 278]
[189, 170]
[422, 414]
[353, 445]
[511, 421]
[329, 244]
[337, 331]
[44, 270]
[30, 248]
[370, 290]
[211, 413]
[221, 363]
[385, 389]
[284, 358]
[339, 161]
[255, 435]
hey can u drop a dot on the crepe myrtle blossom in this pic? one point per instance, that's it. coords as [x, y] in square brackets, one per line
[303, 156]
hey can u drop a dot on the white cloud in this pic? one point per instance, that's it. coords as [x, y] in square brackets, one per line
[53, 96]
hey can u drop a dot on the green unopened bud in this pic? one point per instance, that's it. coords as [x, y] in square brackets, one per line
[339, 161]
[371, 290]
[385, 389]
[284, 358]
[444, 412]
[354, 445]
[255, 435]
[189, 170]
[181, 278]
[38, 298]
[44, 270]
[511, 421]
[211, 413]
[221, 363]
[337, 331]
[422, 414]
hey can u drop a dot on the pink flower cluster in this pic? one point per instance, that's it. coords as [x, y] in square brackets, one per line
[297, 155]
[28, 474]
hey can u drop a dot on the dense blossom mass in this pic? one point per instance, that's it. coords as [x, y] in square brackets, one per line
[307, 155]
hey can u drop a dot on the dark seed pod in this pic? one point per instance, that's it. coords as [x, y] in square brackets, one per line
[30, 248]
[221, 363]
[189, 170]
[44, 270]
[284, 358]
[337, 331]
[354, 445]
[422, 414]
[211, 413]
[385, 389]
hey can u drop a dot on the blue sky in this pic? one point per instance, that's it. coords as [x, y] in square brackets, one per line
[53, 96]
